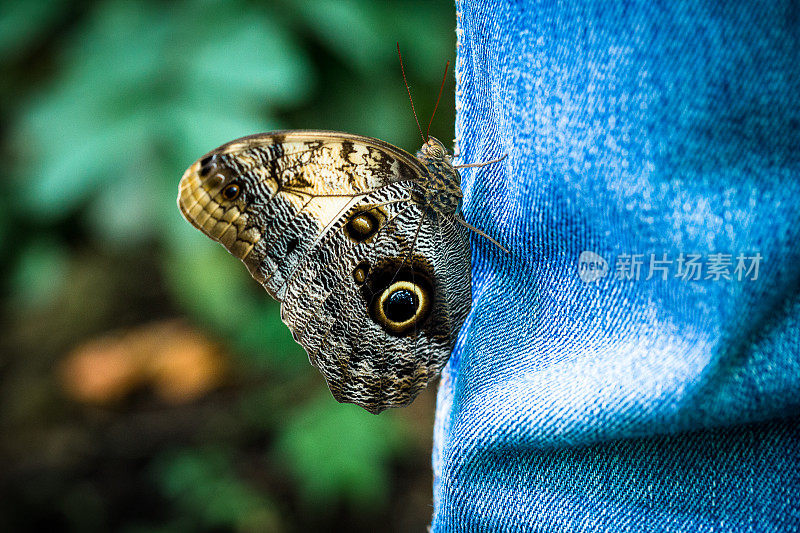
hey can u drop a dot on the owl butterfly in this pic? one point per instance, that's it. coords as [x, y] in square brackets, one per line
[361, 242]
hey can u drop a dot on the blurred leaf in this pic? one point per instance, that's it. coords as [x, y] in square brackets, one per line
[340, 451]
[21, 22]
[255, 60]
[151, 86]
[346, 27]
[211, 282]
[364, 34]
[204, 485]
[40, 273]
[68, 171]
[264, 333]
[219, 290]
[127, 210]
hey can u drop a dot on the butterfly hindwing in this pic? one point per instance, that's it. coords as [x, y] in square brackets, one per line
[334, 311]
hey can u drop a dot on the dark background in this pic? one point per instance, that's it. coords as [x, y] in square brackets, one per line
[146, 382]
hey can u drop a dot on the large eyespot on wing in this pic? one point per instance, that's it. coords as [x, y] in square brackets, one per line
[374, 315]
[267, 198]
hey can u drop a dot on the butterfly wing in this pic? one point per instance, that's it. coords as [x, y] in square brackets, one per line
[291, 186]
[379, 317]
[373, 284]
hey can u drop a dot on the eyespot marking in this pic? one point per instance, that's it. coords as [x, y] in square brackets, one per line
[361, 227]
[206, 165]
[399, 295]
[231, 192]
[400, 303]
[360, 272]
[364, 223]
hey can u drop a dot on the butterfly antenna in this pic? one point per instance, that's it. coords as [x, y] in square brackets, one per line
[409, 92]
[444, 78]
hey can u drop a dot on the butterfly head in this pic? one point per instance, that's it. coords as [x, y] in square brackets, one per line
[433, 150]
[212, 197]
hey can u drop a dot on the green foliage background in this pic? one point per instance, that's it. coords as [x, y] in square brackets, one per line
[103, 106]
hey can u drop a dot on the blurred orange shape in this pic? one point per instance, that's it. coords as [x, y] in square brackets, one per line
[186, 367]
[100, 372]
[177, 361]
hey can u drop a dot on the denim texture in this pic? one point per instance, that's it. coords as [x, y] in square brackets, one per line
[631, 128]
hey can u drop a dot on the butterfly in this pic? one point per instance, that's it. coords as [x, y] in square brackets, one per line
[362, 243]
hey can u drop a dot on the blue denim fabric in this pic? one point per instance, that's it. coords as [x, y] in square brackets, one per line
[616, 404]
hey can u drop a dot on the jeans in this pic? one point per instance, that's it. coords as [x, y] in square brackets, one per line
[634, 363]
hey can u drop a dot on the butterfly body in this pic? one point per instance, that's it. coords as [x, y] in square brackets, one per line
[357, 239]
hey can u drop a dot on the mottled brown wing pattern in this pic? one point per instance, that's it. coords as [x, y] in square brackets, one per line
[332, 306]
[358, 241]
[297, 184]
